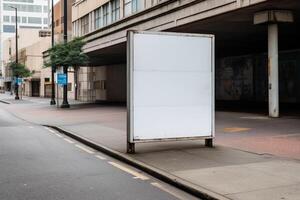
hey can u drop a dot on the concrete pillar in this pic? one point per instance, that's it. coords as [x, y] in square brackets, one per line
[272, 18]
[273, 74]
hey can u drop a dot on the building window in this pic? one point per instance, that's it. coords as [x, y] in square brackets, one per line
[137, 5]
[132, 6]
[98, 18]
[85, 25]
[69, 87]
[6, 19]
[9, 28]
[45, 9]
[127, 7]
[13, 19]
[45, 21]
[115, 10]
[44, 33]
[22, 7]
[105, 14]
[34, 20]
[24, 19]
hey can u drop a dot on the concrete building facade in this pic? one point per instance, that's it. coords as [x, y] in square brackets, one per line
[256, 52]
[32, 14]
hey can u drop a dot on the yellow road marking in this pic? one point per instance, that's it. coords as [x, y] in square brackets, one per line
[236, 129]
[84, 149]
[100, 157]
[70, 141]
[163, 188]
[130, 171]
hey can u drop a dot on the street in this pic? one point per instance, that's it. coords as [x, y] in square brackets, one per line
[38, 163]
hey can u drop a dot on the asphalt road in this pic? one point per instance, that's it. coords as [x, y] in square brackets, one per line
[37, 163]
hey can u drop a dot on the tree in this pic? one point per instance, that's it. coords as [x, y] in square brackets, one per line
[67, 54]
[19, 70]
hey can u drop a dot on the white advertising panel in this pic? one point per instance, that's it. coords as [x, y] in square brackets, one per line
[171, 84]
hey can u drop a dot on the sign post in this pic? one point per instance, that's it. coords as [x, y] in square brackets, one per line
[61, 80]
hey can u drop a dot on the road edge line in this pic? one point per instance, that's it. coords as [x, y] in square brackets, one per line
[186, 186]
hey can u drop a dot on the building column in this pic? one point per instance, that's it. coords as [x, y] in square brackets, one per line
[272, 18]
[273, 75]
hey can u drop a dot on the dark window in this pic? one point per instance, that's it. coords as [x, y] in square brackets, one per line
[47, 79]
[8, 28]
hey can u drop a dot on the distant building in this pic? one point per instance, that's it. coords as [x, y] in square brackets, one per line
[32, 14]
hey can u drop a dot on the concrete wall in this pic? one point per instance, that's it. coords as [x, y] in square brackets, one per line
[102, 83]
[245, 77]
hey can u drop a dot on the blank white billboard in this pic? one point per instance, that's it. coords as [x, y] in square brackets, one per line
[171, 84]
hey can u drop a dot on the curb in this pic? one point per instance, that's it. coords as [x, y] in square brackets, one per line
[188, 187]
[6, 102]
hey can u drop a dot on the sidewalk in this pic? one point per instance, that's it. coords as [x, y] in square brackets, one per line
[224, 171]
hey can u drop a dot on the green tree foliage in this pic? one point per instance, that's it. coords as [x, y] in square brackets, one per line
[19, 70]
[67, 54]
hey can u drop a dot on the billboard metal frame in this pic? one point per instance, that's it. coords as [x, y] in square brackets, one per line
[130, 53]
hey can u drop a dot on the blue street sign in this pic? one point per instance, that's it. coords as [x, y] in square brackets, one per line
[61, 79]
[19, 81]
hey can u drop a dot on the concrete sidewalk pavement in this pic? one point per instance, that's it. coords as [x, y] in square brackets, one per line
[223, 172]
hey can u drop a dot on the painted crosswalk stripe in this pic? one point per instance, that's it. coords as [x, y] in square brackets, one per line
[84, 149]
[130, 171]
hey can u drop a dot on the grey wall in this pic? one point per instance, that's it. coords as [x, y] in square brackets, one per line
[245, 77]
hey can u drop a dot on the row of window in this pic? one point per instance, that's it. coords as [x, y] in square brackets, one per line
[22, 1]
[12, 28]
[25, 7]
[106, 14]
[31, 20]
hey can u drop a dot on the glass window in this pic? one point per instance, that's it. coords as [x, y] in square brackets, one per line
[45, 20]
[105, 15]
[23, 7]
[137, 5]
[85, 25]
[98, 18]
[24, 19]
[13, 19]
[9, 28]
[115, 10]
[34, 20]
[6, 19]
[45, 9]
[127, 7]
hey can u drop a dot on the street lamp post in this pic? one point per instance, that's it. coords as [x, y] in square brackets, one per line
[65, 103]
[17, 61]
[52, 102]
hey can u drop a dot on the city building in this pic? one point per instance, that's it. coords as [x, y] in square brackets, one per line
[32, 14]
[242, 30]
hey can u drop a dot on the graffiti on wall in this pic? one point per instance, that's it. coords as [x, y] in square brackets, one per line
[234, 78]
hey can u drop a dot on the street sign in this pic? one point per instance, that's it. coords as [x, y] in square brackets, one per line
[61, 79]
[19, 81]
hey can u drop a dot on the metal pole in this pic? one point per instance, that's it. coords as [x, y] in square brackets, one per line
[52, 102]
[17, 61]
[65, 103]
[273, 70]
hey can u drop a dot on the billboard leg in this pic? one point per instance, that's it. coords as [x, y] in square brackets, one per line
[130, 148]
[209, 142]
